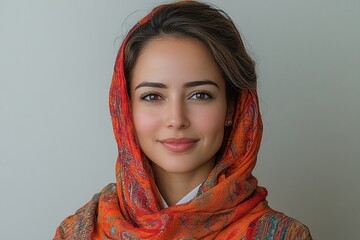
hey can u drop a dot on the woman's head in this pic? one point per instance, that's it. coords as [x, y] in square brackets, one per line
[185, 44]
[179, 105]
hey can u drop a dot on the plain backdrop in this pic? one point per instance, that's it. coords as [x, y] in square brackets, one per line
[57, 147]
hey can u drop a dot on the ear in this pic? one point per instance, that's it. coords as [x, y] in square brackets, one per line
[229, 113]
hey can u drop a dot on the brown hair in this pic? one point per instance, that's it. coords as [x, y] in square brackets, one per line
[211, 26]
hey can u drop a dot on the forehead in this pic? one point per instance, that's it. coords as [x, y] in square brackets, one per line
[175, 60]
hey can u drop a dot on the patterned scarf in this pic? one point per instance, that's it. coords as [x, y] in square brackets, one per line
[227, 202]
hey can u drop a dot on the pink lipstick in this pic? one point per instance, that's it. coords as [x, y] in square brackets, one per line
[178, 144]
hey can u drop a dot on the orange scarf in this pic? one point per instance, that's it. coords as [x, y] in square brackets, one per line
[227, 202]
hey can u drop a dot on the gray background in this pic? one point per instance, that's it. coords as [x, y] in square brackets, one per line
[56, 143]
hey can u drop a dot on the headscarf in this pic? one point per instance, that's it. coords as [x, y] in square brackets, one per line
[227, 202]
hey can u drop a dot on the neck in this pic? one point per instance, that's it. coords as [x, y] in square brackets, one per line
[174, 186]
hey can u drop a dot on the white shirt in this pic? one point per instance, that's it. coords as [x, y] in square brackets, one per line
[190, 196]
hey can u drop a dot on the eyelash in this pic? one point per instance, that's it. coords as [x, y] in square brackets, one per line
[143, 97]
[209, 96]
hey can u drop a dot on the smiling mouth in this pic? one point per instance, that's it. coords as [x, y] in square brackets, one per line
[178, 145]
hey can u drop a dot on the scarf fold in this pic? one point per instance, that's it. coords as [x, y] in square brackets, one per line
[228, 201]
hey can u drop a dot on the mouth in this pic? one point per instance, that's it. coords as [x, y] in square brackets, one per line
[178, 145]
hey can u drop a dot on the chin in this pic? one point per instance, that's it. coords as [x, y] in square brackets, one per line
[182, 166]
[177, 168]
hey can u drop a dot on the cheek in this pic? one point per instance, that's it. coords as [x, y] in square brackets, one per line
[145, 122]
[210, 121]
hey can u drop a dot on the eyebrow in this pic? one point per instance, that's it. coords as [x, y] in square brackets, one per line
[186, 85]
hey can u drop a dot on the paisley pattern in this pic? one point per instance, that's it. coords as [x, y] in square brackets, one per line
[229, 205]
[276, 225]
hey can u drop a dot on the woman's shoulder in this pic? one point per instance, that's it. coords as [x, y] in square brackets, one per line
[83, 221]
[276, 225]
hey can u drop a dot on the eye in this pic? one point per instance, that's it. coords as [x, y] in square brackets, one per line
[203, 95]
[151, 97]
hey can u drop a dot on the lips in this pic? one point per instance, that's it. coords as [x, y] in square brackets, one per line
[178, 144]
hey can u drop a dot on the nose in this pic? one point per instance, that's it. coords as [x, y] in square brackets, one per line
[177, 115]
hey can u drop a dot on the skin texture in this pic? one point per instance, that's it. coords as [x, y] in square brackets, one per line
[174, 110]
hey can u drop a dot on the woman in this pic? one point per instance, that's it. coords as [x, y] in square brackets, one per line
[186, 120]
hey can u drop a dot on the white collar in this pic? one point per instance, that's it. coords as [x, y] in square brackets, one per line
[185, 199]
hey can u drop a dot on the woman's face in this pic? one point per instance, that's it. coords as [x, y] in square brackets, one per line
[178, 104]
